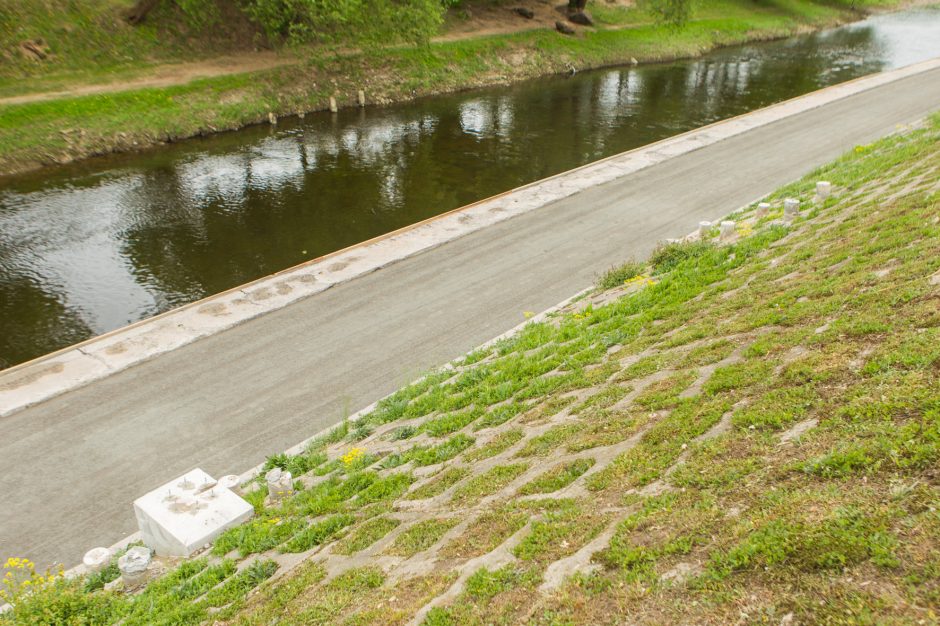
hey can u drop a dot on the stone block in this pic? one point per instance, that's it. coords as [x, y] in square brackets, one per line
[133, 565]
[280, 484]
[187, 513]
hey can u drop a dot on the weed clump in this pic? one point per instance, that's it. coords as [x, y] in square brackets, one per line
[667, 256]
[619, 274]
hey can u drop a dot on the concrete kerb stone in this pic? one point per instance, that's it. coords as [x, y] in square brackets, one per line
[70, 368]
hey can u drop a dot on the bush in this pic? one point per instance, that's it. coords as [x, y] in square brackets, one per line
[379, 21]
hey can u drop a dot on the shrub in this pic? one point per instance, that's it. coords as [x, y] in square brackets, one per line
[300, 21]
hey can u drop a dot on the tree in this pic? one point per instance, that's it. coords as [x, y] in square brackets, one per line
[674, 12]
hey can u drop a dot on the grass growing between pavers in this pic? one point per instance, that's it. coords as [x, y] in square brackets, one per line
[750, 434]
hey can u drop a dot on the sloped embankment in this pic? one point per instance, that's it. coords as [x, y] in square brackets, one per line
[743, 432]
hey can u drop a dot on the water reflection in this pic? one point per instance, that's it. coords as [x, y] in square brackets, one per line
[88, 248]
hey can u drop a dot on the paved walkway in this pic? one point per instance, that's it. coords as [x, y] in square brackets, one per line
[70, 466]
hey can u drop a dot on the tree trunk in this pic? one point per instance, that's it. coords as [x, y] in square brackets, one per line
[576, 6]
[139, 11]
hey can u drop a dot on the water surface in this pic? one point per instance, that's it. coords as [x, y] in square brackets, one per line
[96, 245]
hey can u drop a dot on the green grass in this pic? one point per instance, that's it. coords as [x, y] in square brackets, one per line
[366, 535]
[559, 532]
[499, 444]
[432, 455]
[557, 478]
[441, 483]
[487, 483]
[89, 41]
[543, 444]
[317, 533]
[619, 274]
[421, 536]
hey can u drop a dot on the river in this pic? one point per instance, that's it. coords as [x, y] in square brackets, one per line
[92, 246]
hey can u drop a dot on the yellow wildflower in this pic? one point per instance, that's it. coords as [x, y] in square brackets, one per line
[352, 456]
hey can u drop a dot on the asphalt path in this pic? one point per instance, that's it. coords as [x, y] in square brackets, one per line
[71, 466]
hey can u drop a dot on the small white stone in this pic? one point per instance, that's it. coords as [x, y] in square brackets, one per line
[96, 559]
[362, 98]
[823, 189]
[763, 209]
[272, 119]
[333, 106]
[727, 229]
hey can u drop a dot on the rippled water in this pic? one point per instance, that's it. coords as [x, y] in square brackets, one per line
[93, 246]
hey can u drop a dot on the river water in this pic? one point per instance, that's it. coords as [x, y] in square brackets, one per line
[96, 245]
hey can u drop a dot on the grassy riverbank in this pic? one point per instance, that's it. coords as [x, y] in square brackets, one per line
[68, 127]
[737, 432]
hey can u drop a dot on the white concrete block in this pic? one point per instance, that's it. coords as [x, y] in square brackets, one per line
[791, 208]
[703, 228]
[823, 189]
[763, 209]
[230, 481]
[185, 514]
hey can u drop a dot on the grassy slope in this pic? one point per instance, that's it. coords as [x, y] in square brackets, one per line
[89, 41]
[750, 430]
[62, 130]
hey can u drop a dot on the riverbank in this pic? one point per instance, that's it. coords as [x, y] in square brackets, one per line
[741, 428]
[64, 129]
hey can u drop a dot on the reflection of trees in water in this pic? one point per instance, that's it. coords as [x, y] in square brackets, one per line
[35, 320]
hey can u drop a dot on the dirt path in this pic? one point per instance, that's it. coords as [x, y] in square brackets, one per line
[480, 21]
[168, 75]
